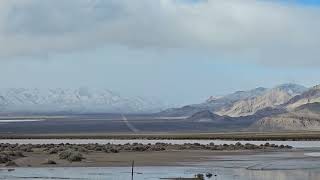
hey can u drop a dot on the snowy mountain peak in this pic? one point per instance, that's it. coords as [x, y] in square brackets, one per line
[80, 100]
[316, 87]
[213, 98]
[291, 88]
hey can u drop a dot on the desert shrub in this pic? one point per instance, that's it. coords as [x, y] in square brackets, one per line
[114, 150]
[209, 175]
[82, 149]
[199, 176]
[98, 148]
[71, 155]
[65, 154]
[75, 156]
[50, 162]
[4, 158]
[26, 148]
[140, 148]
[17, 154]
[53, 151]
[10, 164]
[289, 147]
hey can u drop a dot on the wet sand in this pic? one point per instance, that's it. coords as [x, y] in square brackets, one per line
[163, 158]
[95, 155]
[294, 164]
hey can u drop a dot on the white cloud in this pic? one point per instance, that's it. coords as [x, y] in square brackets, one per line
[262, 31]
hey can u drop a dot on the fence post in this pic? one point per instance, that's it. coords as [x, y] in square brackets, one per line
[132, 170]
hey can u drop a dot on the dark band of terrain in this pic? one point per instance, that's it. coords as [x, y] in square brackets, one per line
[106, 126]
[106, 123]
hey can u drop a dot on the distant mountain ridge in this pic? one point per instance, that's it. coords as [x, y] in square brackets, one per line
[81, 100]
[285, 107]
[241, 103]
[303, 113]
[310, 96]
[206, 116]
[305, 117]
[213, 103]
[270, 98]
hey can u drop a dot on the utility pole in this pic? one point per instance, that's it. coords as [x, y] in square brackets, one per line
[132, 170]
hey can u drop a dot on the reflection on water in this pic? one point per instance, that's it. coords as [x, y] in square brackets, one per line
[19, 120]
[300, 165]
[155, 173]
[313, 154]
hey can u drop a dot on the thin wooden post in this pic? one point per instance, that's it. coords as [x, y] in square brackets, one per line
[132, 170]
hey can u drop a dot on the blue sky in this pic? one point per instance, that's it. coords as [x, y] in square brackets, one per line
[308, 2]
[172, 51]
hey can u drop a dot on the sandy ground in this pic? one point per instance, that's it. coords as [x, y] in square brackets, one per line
[163, 158]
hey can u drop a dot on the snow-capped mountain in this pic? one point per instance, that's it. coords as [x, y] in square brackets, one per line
[81, 100]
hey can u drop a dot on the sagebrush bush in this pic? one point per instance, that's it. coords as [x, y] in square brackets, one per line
[71, 155]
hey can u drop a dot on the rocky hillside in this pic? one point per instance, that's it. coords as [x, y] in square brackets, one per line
[310, 96]
[302, 113]
[270, 98]
[241, 103]
[206, 116]
[284, 107]
[213, 103]
[305, 117]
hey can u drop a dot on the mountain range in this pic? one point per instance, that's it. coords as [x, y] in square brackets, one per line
[269, 98]
[80, 100]
[302, 112]
[241, 103]
[284, 107]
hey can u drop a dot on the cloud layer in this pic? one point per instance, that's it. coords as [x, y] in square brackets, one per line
[265, 32]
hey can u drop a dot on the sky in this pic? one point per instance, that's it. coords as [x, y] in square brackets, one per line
[177, 51]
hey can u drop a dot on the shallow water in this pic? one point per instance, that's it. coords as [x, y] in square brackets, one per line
[313, 154]
[301, 165]
[155, 173]
[19, 120]
[296, 144]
